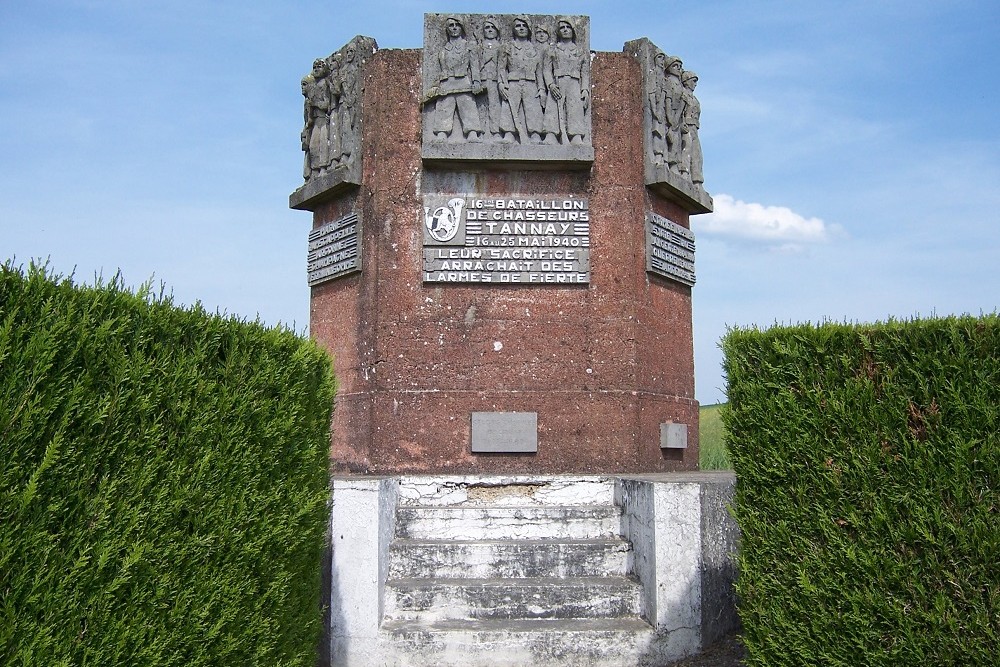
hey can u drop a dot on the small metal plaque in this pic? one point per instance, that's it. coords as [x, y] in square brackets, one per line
[502, 432]
[669, 249]
[334, 250]
[514, 240]
[673, 436]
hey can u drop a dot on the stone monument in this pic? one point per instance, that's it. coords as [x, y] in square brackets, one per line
[505, 287]
[495, 248]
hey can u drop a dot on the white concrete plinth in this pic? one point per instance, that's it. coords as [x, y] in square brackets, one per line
[557, 570]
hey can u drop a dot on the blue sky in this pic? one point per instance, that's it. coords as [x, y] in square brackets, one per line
[853, 148]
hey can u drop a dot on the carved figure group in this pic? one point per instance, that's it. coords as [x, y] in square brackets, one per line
[519, 89]
[332, 94]
[675, 116]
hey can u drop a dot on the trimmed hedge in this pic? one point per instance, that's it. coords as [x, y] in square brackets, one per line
[164, 482]
[868, 491]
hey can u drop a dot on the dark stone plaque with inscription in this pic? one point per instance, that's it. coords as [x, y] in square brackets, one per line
[669, 249]
[334, 250]
[514, 239]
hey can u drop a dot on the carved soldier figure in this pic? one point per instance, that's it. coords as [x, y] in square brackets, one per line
[550, 110]
[458, 80]
[520, 73]
[692, 161]
[658, 119]
[498, 123]
[673, 110]
[571, 85]
[334, 85]
[306, 127]
[350, 98]
[316, 90]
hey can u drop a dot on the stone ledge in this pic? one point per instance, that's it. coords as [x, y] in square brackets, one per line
[508, 156]
[679, 190]
[322, 189]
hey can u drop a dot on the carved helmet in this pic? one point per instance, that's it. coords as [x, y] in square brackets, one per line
[456, 19]
[319, 65]
[523, 19]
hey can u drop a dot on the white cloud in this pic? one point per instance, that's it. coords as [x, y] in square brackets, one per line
[776, 226]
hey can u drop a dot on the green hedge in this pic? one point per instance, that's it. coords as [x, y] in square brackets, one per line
[164, 481]
[868, 492]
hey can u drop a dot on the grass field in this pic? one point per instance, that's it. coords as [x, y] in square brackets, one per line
[713, 454]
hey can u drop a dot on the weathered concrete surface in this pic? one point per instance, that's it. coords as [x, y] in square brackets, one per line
[719, 546]
[510, 491]
[507, 523]
[684, 549]
[506, 559]
[537, 597]
[620, 642]
[362, 523]
[603, 365]
[519, 586]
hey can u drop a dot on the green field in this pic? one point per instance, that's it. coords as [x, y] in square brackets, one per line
[713, 454]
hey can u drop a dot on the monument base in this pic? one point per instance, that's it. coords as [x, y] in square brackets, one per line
[559, 570]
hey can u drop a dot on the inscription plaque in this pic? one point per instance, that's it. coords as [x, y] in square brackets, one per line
[669, 249]
[673, 436]
[500, 432]
[516, 239]
[334, 250]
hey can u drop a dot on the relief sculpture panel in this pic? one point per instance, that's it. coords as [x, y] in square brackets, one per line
[671, 119]
[331, 133]
[506, 87]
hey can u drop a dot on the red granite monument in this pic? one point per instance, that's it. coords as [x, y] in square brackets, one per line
[500, 260]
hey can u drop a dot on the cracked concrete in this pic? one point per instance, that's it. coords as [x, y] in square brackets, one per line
[446, 571]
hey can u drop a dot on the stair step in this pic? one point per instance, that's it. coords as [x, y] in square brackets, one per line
[510, 491]
[601, 642]
[434, 600]
[508, 523]
[484, 559]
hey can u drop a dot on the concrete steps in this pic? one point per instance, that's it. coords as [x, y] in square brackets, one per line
[553, 571]
[511, 574]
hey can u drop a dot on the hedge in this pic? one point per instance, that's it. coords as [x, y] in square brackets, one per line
[868, 491]
[164, 482]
